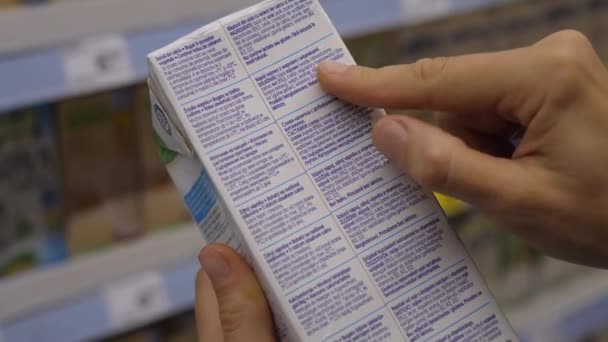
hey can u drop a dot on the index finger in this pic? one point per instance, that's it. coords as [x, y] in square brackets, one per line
[479, 83]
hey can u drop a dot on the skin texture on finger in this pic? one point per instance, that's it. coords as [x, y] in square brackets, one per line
[496, 142]
[485, 123]
[444, 163]
[243, 309]
[475, 84]
[207, 310]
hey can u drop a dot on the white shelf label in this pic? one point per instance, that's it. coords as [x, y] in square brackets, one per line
[422, 9]
[97, 62]
[137, 300]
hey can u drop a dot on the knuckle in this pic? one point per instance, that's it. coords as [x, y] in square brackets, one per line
[566, 59]
[433, 171]
[231, 314]
[572, 38]
[364, 76]
[565, 83]
[568, 63]
[372, 82]
[367, 83]
[429, 69]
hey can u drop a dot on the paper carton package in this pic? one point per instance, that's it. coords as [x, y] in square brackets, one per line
[346, 246]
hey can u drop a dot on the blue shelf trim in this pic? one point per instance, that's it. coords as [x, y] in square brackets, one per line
[37, 77]
[86, 317]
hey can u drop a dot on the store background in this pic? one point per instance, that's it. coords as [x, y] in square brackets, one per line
[95, 243]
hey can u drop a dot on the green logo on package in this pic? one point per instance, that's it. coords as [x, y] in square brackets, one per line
[166, 155]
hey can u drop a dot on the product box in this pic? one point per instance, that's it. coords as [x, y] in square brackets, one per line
[31, 206]
[100, 169]
[346, 247]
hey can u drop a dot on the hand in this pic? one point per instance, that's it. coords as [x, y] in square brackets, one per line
[553, 188]
[230, 303]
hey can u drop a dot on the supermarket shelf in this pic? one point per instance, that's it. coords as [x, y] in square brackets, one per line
[568, 312]
[33, 27]
[83, 299]
[91, 297]
[36, 40]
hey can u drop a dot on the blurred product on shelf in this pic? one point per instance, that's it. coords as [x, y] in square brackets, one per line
[162, 205]
[515, 25]
[514, 271]
[181, 328]
[374, 50]
[9, 3]
[598, 336]
[82, 173]
[144, 335]
[99, 226]
[15, 3]
[154, 172]
[31, 204]
[451, 206]
[98, 145]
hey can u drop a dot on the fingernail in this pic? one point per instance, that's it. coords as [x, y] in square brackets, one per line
[215, 266]
[331, 67]
[376, 116]
[390, 136]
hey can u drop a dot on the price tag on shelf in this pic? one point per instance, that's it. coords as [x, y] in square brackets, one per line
[136, 300]
[422, 9]
[97, 62]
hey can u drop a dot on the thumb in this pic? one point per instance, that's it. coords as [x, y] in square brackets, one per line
[239, 305]
[444, 163]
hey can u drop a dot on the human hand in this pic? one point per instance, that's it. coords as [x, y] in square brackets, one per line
[552, 189]
[230, 303]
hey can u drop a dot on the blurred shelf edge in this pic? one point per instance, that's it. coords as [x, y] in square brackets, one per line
[34, 39]
[566, 312]
[69, 302]
[32, 27]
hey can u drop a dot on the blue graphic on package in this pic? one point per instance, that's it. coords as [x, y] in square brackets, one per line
[201, 198]
[162, 119]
